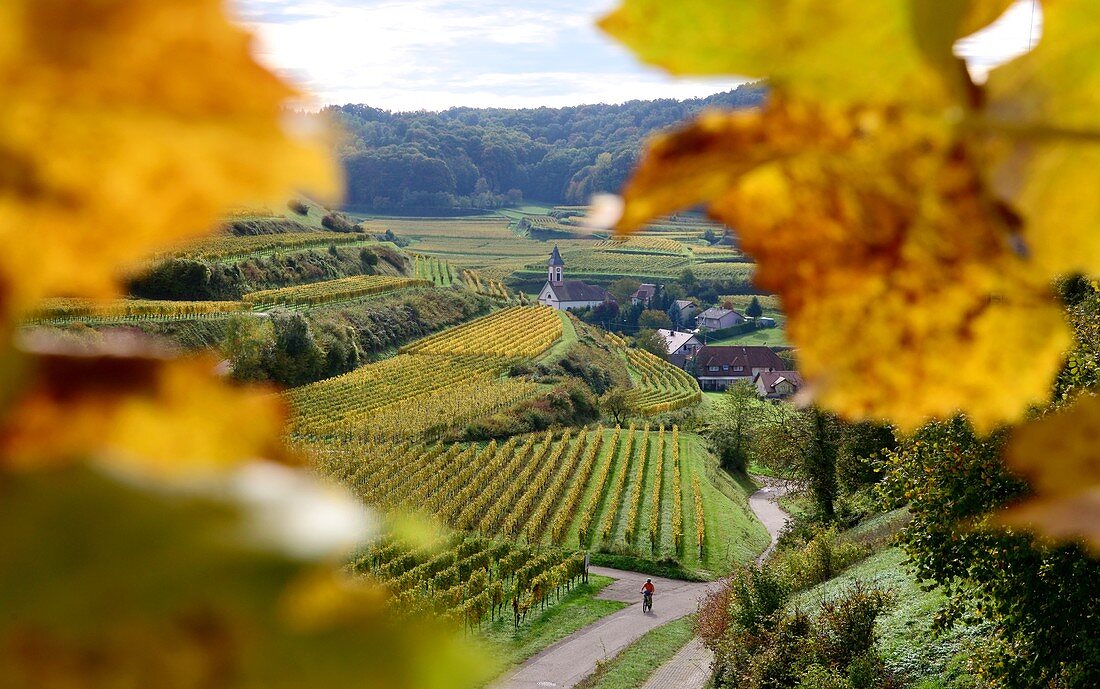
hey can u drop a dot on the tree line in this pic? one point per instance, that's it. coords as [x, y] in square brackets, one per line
[465, 158]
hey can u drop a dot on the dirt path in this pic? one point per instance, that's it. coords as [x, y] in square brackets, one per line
[570, 660]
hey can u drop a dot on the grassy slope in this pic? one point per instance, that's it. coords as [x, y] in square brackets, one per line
[579, 608]
[563, 345]
[637, 662]
[905, 630]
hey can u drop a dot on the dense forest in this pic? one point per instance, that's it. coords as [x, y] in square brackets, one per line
[488, 157]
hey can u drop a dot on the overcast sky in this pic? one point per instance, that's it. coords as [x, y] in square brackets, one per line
[434, 54]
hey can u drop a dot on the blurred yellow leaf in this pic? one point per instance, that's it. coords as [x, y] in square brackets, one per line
[835, 50]
[129, 125]
[105, 585]
[897, 273]
[1044, 109]
[135, 409]
[1060, 456]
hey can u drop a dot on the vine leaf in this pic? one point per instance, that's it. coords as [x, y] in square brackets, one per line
[1060, 456]
[131, 125]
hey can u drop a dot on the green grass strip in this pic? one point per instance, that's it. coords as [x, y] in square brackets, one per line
[637, 662]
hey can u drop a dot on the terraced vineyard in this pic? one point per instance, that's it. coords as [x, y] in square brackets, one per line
[486, 227]
[470, 579]
[227, 246]
[484, 285]
[614, 264]
[435, 270]
[64, 310]
[597, 488]
[659, 386]
[343, 289]
[405, 397]
[519, 331]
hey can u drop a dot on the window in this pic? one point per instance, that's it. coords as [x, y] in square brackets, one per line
[713, 368]
[738, 368]
[725, 367]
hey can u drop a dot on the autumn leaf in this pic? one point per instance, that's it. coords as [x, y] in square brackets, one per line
[129, 126]
[1060, 456]
[833, 50]
[104, 584]
[1044, 119]
[128, 406]
[896, 270]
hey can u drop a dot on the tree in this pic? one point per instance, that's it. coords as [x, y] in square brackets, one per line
[730, 433]
[247, 344]
[1041, 599]
[754, 309]
[654, 319]
[616, 404]
[804, 442]
[622, 288]
[652, 342]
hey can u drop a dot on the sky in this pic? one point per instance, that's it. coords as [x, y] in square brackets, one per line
[436, 54]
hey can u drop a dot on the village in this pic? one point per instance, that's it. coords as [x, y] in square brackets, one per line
[716, 367]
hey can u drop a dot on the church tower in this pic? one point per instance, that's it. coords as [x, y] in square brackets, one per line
[554, 268]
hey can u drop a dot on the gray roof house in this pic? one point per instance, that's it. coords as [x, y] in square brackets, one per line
[717, 318]
[717, 367]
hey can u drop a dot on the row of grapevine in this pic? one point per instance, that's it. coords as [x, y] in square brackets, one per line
[677, 496]
[435, 270]
[404, 397]
[659, 386]
[55, 310]
[468, 579]
[518, 331]
[700, 522]
[567, 511]
[584, 531]
[342, 289]
[608, 525]
[483, 285]
[651, 245]
[655, 500]
[639, 487]
[222, 247]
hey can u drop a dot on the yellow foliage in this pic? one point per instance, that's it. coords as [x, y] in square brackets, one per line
[902, 289]
[130, 408]
[1060, 456]
[129, 125]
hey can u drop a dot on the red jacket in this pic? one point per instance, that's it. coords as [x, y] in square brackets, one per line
[647, 587]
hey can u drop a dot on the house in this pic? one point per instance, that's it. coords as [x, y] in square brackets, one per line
[643, 294]
[680, 346]
[682, 312]
[777, 385]
[565, 295]
[716, 368]
[717, 318]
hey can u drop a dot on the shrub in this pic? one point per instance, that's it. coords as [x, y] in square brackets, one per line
[845, 628]
[804, 564]
[298, 207]
[337, 222]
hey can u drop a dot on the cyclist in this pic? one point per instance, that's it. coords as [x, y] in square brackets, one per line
[647, 595]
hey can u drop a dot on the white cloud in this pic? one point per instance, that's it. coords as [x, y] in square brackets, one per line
[434, 54]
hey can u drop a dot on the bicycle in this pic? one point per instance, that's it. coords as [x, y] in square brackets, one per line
[647, 602]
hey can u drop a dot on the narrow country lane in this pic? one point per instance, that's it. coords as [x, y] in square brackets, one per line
[570, 660]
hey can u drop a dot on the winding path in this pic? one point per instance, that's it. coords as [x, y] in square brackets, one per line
[570, 660]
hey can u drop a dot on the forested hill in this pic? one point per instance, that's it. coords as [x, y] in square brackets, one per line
[485, 158]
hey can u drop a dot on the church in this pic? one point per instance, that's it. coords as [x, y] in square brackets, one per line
[564, 295]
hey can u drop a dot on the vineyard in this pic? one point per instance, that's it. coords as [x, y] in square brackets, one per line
[435, 270]
[63, 310]
[485, 227]
[659, 386]
[643, 245]
[223, 247]
[519, 331]
[405, 397]
[470, 579]
[343, 289]
[483, 285]
[598, 488]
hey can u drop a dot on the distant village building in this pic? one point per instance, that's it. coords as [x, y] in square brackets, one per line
[717, 318]
[682, 312]
[643, 294]
[565, 295]
[717, 368]
[681, 346]
[777, 385]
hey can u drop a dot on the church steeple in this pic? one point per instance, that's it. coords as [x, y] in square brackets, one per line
[554, 267]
